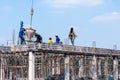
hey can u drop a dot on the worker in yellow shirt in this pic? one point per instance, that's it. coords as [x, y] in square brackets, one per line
[50, 41]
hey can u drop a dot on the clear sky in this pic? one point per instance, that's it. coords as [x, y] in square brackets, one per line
[93, 20]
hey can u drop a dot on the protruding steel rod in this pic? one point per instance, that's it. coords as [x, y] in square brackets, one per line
[32, 11]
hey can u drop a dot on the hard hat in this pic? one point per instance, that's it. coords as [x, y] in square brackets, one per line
[56, 34]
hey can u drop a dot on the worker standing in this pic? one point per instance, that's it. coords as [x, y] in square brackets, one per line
[72, 35]
[57, 39]
[21, 34]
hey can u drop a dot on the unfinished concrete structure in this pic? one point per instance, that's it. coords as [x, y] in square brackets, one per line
[61, 62]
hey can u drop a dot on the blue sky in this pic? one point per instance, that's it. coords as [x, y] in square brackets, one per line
[93, 20]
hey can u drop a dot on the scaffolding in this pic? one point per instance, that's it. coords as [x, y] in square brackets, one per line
[58, 62]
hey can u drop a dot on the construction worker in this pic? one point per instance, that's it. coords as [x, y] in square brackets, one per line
[21, 34]
[38, 38]
[50, 41]
[21, 24]
[57, 39]
[72, 36]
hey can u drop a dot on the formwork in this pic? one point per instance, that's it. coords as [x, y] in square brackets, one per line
[60, 62]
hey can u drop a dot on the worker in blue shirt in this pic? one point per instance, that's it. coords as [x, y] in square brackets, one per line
[21, 34]
[57, 39]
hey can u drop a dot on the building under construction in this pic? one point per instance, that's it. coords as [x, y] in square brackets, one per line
[58, 62]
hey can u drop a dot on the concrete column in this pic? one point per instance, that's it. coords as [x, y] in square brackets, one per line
[81, 68]
[67, 68]
[50, 71]
[115, 67]
[31, 66]
[72, 75]
[58, 66]
[53, 66]
[10, 77]
[106, 69]
[1, 71]
[94, 68]
[99, 67]
[90, 68]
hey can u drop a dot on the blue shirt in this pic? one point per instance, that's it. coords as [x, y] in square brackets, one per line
[21, 32]
[57, 40]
